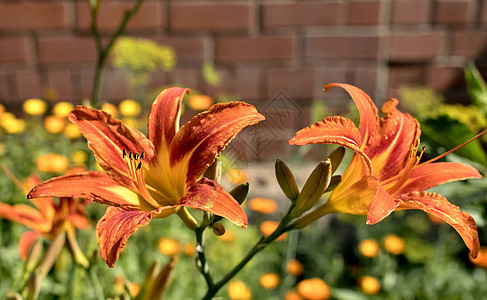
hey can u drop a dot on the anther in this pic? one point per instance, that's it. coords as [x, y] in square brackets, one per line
[124, 153]
[130, 155]
[139, 166]
[136, 156]
[142, 155]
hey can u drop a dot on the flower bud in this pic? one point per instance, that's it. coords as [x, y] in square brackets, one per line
[336, 158]
[314, 188]
[214, 171]
[218, 229]
[240, 192]
[286, 180]
[33, 256]
[335, 180]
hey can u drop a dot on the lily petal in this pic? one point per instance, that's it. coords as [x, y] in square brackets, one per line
[107, 137]
[26, 241]
[354, 199]
[333, 130]
[440, 207]
[91, 185]
[366, 108]
[25, 215]
[208, 195]
[115, 228]
[381, 206]
[164, 116]
[207, 134]
[426, 176]
[390, 144]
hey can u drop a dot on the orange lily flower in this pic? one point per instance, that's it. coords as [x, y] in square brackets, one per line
[157, 175]
[48, 220]
[385, 174]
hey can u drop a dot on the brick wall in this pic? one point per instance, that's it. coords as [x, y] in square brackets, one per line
[260, 47]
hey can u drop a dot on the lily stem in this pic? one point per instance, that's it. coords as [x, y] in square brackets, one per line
[103, 52]
[259, 246]
[200, 249]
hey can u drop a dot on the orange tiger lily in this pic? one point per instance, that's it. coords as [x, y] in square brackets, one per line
[48, 220]
[385, 174]
[157, 175]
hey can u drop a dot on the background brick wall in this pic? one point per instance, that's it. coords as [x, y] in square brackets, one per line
[260, 47]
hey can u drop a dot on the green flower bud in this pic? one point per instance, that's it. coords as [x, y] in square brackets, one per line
[314, 188]
[286, 180]
[240, 192]
[336, 158]
[335, 180]
[218, 229]
[214, 172]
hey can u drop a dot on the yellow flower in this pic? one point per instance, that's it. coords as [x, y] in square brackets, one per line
[268, 227]
[62, 109]
[71, 131]
[189, 249]
[263, 205]
[169, 247]
[294, 267]
[54, 124]
[314, 289]
[199, 102]
[236, 176]
[369, 248]
[110, 108]
[52, 163]
[35, 107]
[129, 108]
[293, 295]
[237, 290]
[394, 244]
[79, 157]
[369, 285]
[228, 236]
[14, 125]
[269, 280]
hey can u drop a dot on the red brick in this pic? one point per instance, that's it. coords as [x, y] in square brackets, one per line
[189, 77]
[301, 14]
[5, 93]
[442, 78]
[149, 16]
[32, 15]
[296, 84]
[188, 48]
[248, 84]
[115, 86]
[411, 11]
[261, 48]
[469, 43]
[66, 50]
[483, 11]
[404, 76]
[364, 12]
[417, 46]
[365, 77]
[61, 81]
[187, 15]
[453, 11]
[349, 47]
[13, 50]
[86, 83]
[27, 84]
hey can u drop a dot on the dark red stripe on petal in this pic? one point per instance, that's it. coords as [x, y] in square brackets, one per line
[210, 196]
[207, 134]
[115, 228]
[164, 116]
[107, 137]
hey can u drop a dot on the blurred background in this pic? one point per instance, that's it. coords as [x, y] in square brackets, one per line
[277, 55]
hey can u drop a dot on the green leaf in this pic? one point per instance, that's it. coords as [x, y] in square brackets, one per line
[444, 131]
[476, 86]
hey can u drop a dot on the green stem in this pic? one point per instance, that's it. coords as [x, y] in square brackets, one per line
[200, 249]
[259, 246]
[103, 53]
